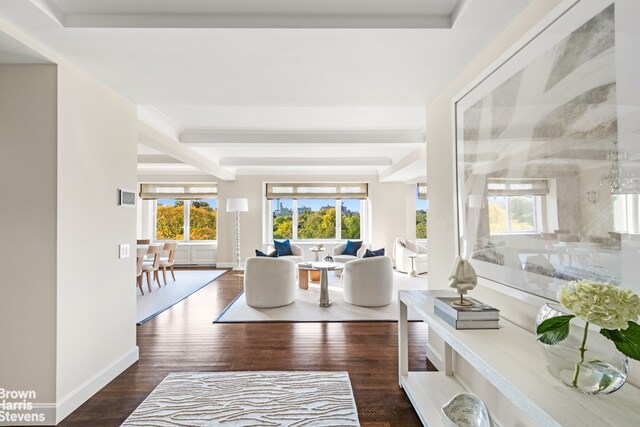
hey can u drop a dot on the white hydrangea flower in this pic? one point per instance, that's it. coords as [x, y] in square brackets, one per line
[602, 304]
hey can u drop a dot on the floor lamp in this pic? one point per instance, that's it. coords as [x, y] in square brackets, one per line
[237, 206]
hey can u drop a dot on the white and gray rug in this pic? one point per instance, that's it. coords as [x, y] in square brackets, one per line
[305, 308]
[158, 300]
[249, 399]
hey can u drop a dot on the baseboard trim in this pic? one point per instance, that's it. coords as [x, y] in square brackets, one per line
[226, 264]
[82, 393]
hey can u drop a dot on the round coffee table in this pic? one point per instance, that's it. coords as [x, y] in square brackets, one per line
[324, 268]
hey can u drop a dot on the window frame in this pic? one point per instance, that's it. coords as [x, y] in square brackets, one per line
[186, 222]
[294, 224]
[537, 205]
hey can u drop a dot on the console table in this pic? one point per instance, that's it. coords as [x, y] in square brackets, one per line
[509, 358]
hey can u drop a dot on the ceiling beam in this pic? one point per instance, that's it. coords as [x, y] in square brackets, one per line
[258, 20]
[156, 159]
[208, 137]
[414, 163]
[305, 161]
[157, 140]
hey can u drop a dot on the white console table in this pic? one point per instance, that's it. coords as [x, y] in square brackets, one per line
[509, 358]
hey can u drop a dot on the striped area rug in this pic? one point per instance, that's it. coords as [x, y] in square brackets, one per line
[249, 399]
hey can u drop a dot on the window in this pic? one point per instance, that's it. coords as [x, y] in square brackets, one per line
[626, 213]
[512, 214]
[350, 219]
[422, 205]
[317, 219]
[513, 204]
[282, 218]
[310, 211]
[187, 212]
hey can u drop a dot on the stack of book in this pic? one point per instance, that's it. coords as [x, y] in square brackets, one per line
[474, 316]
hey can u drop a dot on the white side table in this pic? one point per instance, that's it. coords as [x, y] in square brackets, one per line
[413, 272]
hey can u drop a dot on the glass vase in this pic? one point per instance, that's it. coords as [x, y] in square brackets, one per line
[603, 370]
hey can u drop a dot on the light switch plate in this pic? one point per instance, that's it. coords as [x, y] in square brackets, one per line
[124, 250]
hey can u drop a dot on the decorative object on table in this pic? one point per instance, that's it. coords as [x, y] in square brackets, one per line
[477, 315]
[600, 367]
[328, 258]
[462, 278]
[237, 206]
[316, 250]
[466, 410]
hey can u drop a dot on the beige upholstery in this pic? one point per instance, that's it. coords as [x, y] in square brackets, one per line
[153, 265]
[167, 262]
[269, 282]
[295, 250]
[140, 253]
[405, 251]
[339, 257]
[368, 282]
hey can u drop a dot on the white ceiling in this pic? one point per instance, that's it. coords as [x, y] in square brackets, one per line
[199, 78]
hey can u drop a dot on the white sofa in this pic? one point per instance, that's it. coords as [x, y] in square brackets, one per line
[368, 282]
[339, 257]
[296, 251]
[404, 249]
[269, 282]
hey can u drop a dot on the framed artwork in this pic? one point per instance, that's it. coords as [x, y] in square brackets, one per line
[548, 155]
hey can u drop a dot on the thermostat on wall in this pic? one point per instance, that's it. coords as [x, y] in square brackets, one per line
[126, 197]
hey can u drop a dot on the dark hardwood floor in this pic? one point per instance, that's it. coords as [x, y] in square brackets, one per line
[184, 338]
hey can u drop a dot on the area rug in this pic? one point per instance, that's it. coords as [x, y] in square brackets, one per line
[306, 309]
[249, 399]
[158, 300]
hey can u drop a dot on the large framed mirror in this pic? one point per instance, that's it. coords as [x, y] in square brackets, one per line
[548, 156]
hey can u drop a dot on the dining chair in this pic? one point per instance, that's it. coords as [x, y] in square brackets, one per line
[143, 241]
[155, 251]
[167, 262]
[140, 253]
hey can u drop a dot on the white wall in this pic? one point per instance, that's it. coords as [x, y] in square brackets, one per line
[28, 182]
[97, 144]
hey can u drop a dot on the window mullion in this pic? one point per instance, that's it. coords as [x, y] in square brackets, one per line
[338, 219]
[187, 214]
[294, 225]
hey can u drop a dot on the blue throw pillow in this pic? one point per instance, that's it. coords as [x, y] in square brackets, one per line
[273, 254]
[283, 248]
[352, 247]
[369, 254]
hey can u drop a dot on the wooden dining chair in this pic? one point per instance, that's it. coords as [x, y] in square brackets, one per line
[167, 262]
[153, 265]
[144, 241]
[140, 253]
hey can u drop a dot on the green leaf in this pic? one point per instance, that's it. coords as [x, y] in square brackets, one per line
[626, 341]
[554, 330]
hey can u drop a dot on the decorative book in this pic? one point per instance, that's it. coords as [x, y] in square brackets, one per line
[476, 311]
[466, 324]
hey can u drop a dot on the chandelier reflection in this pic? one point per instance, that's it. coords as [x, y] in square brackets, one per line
[616, 179]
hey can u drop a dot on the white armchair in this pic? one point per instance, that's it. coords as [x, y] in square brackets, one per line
[368, 282]
[404, 250]
[338, 256]
[269, 282]
[296, 253]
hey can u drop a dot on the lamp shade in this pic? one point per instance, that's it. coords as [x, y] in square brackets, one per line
[237, 205]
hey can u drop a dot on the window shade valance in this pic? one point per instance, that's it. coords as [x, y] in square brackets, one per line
[422, 191]
[317, 191]
[178, 191]
[517, 187]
